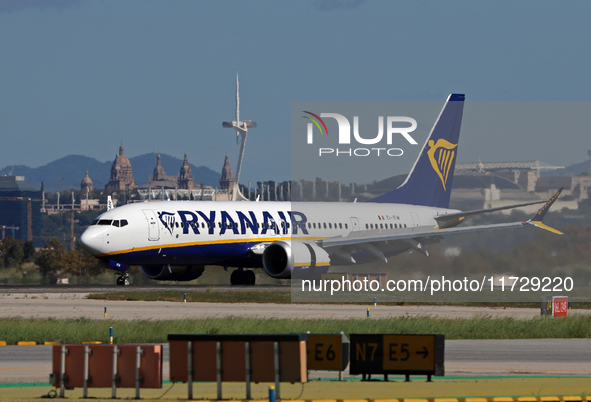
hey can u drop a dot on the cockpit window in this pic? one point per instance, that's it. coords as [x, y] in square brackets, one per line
[94, 222]
[116, 223]
[124, 222]
[105, 222]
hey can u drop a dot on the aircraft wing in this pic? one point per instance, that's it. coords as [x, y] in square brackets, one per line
[420, 235]
[373, 236]
[451, 220]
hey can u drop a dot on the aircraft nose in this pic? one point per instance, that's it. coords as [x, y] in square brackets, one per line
[92, 241]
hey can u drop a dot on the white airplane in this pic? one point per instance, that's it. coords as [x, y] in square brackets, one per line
[174, 240]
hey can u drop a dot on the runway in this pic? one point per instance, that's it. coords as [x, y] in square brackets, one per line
[75, 305]
[134, 288]
[547, 357]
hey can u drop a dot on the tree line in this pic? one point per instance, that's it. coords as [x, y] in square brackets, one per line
[52, 259]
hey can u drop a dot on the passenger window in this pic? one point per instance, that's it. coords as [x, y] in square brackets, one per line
[124, 222]
[405, 225]
[309, 225]
[314, 225]
[340, 225]
[324, 225]
[330, 225]
[345, 226]
[366, 226]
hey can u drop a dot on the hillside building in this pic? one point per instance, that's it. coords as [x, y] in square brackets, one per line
[121, 174]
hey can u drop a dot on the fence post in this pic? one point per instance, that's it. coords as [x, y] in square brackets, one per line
[63, 372]
[219, 368]
[86, 354]
[139, 352]
[277, 371]
[114, 381]
[190, 369]
[247, 365]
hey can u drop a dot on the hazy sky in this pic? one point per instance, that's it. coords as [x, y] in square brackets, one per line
[80, 76]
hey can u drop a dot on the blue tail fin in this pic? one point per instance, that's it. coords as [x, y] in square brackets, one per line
[430, 179]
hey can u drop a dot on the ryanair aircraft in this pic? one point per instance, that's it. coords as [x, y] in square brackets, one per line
[174, 240]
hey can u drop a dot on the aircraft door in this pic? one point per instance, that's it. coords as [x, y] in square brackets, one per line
[153, 229]
[415, 219]
[354, 224]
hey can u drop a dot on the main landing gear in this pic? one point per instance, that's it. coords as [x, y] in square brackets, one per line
[124, 280]
[242, 277]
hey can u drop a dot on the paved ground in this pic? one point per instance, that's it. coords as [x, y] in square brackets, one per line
[555, 357]
[75, 305]
[348, 391]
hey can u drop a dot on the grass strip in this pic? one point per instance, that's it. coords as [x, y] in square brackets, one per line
[207, 296]
[80, 330]
[272, 296]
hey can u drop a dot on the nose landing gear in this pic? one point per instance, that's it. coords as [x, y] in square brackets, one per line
[242, 277]
[124, 280]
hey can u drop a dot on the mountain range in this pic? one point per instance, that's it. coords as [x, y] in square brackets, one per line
[67, 173]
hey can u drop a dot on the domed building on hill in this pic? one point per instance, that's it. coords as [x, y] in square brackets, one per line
[121, 174]
[186, 181]
[86, 184]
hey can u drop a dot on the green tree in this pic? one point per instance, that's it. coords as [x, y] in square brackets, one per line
[28, 251]
[53, 259]
[12, 251]
[82, 263]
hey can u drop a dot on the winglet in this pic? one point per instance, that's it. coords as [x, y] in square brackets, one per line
[537, 219]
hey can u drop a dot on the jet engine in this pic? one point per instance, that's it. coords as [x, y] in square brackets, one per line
[172, 272]
[281, 259]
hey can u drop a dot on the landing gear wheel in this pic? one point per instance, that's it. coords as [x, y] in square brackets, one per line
[250, 277]
[236, 277]
[124, 280]
[241, 277]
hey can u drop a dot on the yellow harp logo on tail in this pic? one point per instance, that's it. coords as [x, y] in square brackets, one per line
[441, 155]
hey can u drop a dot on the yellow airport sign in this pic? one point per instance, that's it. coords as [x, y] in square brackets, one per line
[409, 352]
[397, 354]
[327, 352]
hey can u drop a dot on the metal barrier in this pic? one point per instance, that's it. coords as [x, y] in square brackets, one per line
[104, 366]
[240, 358]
